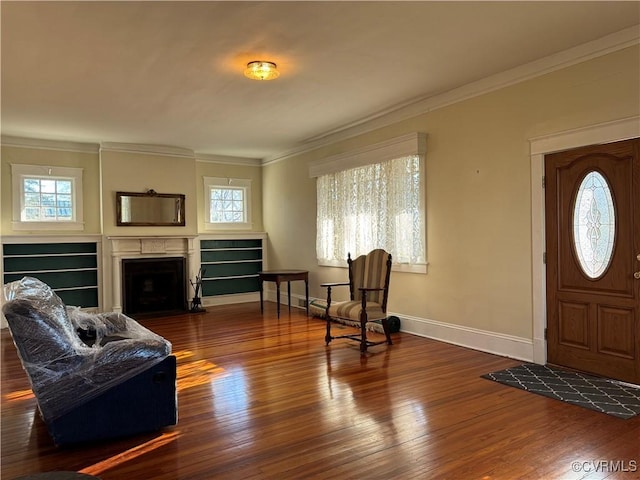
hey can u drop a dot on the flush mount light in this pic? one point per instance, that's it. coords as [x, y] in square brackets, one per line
[260, 70]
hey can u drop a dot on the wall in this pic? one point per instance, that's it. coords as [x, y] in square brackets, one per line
[139, 172]
[478, 195]
[88, 161]
[116, 168]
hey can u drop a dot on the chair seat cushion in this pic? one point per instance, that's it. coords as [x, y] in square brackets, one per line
[351, 310]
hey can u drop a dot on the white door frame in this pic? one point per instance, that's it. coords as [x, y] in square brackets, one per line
[623, 129]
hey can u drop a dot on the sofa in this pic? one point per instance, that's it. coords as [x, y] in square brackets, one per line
[95, 376]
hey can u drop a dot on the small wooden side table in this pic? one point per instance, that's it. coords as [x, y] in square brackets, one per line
[288, 276]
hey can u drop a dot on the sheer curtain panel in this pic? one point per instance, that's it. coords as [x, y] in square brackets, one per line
[379, 205]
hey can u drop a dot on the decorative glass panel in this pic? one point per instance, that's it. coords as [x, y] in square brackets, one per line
[594, 225]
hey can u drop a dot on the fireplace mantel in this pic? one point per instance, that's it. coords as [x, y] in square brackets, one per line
[141, 246]
[147, 244]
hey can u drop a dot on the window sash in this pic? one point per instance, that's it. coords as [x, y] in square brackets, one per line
[47, 199]
[227, 203]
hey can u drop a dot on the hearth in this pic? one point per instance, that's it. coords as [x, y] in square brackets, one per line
[154, 286]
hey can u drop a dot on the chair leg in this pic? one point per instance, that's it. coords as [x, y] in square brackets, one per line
[328, 337]
[363, 331]
[387, 332]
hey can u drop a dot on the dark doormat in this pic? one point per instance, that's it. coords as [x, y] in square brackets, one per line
[595, 393]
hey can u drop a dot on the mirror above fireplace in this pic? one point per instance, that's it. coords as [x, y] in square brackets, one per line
[150, 209]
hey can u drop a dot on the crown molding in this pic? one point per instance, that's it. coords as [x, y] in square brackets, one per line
[421, 105]
[228, 160]
[164, 150]
[44, 144]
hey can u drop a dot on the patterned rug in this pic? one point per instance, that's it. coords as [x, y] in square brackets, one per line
[595, 393]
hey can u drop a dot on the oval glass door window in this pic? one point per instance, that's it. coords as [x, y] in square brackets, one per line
[594, 224]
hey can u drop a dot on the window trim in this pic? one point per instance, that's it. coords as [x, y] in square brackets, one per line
[19, 171]
[406, 145]
[245, 184]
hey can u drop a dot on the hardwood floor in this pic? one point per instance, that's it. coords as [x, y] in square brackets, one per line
[262, 398]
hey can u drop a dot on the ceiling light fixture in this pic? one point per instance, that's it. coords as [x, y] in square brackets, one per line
[260, 70]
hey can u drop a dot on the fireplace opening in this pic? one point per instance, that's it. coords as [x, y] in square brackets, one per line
[153, 286]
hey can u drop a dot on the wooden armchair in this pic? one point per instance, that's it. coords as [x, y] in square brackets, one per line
[369, 289]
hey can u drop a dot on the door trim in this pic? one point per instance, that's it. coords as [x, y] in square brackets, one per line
[623, 129]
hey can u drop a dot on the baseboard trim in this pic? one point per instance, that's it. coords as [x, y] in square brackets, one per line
[483, 340]
[297, 300]
[230, 299]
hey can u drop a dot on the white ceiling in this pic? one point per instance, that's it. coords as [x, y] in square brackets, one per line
[170, 73]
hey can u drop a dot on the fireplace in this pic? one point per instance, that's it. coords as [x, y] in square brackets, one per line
[153, 286]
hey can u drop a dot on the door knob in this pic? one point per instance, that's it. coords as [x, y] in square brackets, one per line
[636, 275]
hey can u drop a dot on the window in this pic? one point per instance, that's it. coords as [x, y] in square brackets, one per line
[594, 224]
[46, 198]
[227, 203]
[375, 205]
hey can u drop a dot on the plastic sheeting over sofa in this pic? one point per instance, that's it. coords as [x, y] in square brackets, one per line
[75, 361]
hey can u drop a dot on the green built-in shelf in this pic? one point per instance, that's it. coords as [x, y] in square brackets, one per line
[230, 266]
[70, 269]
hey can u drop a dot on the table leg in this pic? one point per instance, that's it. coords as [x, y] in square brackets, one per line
[289, 294]
[306, 294]
[278, 296]
[261, 297]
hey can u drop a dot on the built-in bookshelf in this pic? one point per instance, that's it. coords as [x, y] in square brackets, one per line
[69, 268]
[231, 265]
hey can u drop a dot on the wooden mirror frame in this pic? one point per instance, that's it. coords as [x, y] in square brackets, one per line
[152, 210]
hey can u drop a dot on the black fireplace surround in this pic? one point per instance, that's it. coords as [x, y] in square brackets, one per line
[154, 286]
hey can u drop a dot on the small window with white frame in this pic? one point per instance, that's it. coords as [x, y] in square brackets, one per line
[227, 203]
[47, 197]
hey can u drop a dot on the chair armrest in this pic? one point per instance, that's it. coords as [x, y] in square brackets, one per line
[328, 287]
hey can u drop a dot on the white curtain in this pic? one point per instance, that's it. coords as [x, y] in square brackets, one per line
[374, 206]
